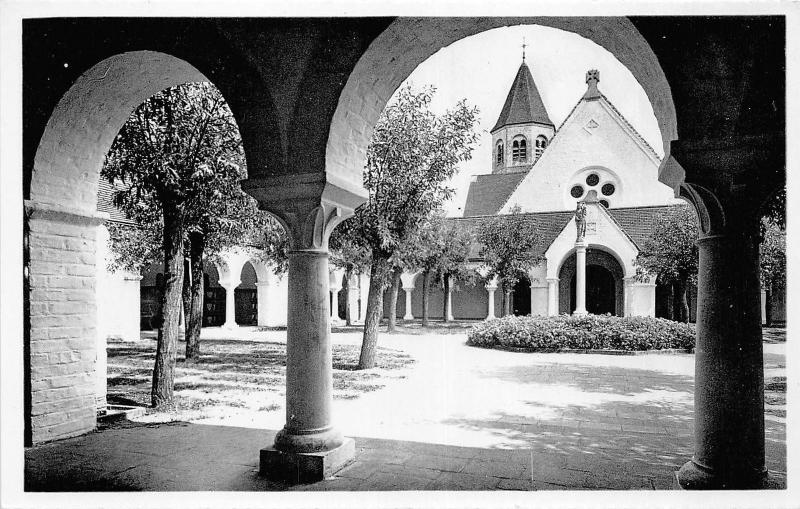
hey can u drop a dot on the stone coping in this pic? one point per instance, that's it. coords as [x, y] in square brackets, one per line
[665, 351]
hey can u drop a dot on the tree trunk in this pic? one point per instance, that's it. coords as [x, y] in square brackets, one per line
[186, 293]
[164, 370]
[426, 285]
[506, 302]
[446, 298]
[194, 318]
[348, 313]
[377, 286]
[681, 304]
[392, 326]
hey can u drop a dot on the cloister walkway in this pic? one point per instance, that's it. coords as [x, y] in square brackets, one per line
[462, 419]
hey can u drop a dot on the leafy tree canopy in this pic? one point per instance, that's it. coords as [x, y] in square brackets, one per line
[509, 244]
[773, 255]
[412, 154]
[183, 145]
[670, 252]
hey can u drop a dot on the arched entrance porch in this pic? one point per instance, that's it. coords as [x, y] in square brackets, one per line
[604, 284]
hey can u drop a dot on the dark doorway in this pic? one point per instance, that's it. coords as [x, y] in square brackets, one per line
[601, 293]
[521, 298]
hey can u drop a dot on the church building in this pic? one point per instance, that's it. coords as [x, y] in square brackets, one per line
[596, 157]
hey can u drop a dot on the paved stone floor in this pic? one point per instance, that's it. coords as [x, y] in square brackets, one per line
[463, 419]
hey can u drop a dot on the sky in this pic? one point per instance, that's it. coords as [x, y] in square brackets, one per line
[482, 68]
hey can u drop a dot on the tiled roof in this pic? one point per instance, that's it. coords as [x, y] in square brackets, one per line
[487, 193]
[524, 104]
[636, 222]
[105, 202]
[548, 224]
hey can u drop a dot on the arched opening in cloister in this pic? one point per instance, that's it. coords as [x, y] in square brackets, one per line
[521, 297]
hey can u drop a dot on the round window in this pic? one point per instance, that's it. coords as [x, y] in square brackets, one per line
[592, 179]
[576, 191]
[608, 189]
[604, 203]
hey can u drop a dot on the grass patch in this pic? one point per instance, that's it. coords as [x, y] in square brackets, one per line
[235, 376]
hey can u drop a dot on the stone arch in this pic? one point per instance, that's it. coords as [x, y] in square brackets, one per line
[84, 123]
[599, 260]
[556, 259]
[407, 42]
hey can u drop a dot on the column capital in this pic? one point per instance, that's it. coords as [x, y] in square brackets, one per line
[308, 205]
[553, 280]
[229, 283]
[409, 288]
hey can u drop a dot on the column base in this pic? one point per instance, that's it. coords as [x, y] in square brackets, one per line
[580, 313]
[693, 476]
[305, 467]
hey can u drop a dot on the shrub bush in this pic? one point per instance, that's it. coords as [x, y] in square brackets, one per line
[590, 332]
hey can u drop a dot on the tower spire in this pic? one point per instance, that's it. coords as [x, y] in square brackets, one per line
[523, 49]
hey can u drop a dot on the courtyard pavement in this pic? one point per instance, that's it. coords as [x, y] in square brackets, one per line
[462, 418]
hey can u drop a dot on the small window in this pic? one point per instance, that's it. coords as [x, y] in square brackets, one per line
[608, 189]
[604, 203]
[499, 156]
[541, 144]
[592, 179]
[576, 191]
[519, 151]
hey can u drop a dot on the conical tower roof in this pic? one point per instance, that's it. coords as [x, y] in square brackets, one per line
[524, 104]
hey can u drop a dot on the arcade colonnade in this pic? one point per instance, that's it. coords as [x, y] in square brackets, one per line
[306, 94]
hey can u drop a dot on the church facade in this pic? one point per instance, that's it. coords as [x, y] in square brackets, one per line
[595, 157]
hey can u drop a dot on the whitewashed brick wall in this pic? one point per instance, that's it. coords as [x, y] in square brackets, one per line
[63, 352]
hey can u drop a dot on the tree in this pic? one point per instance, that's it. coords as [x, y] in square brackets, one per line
[177, 150]
[670, 254]
[411, 155]
[510, 249]
[772, 261]
[442, 255]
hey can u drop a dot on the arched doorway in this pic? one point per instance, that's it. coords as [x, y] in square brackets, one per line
[600, 291]
[246, 297]
[604, 284]
[521, 297]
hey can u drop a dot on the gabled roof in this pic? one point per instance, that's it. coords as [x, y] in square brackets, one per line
[635, 222]
[524, 104]
[487, 193]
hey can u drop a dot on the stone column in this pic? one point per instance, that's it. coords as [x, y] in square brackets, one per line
[230, 303]
[552, 296]
[262, 296]
[491, 287]
[449, 299]
[363, 290]
[729, 372]
[763, 307]
[352, 297]
[334, 304]
[580, 278]
[409, 315]
[309, 447]
[627, 296]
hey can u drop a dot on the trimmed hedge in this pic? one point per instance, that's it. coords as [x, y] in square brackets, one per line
[590, 332]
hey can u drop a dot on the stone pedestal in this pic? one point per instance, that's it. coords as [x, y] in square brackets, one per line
[580, 278]
[729, 383]
[305, 467]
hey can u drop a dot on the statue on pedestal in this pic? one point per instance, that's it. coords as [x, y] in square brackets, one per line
[580, 220]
